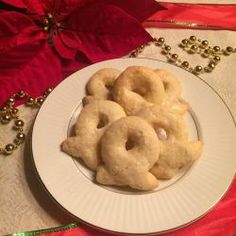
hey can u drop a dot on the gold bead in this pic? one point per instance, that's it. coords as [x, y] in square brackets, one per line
[192, 39]
[4, 109]
[11, 101]
[20, 137]
[19, 123]
[174, 57]
[228, 51]
[216, 48]
[160, 41]
[9, 148]
[49, 90]
[166, 49]
[185, 64]
[5, 119]
[30, 101]
[193, 48]
[206, 53]
[204, 44]
[21, 94]
[184, 43]
[216, 59]
[39, 101]
[210, 67]
[134, 54]
[14, 112]
[197, 70]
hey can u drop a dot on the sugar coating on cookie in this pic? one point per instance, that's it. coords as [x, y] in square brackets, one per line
[129, 149]
[138, 87]
[100, 84]
[92, 122]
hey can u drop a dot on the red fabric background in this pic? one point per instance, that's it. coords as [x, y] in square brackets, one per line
[216, 16]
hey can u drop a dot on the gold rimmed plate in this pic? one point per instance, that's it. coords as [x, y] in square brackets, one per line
[174, 203]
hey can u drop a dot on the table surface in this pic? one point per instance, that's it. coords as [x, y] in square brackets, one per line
[24, 203]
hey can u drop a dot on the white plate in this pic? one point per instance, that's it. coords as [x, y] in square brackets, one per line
[175, 203]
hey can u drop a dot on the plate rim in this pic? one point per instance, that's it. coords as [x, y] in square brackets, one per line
[126, 233]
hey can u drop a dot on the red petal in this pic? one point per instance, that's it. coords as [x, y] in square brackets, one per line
[70, 38]
[13, 22]
[106, 31]
[15, 3]
[37, 6]
[40, 71]
[33, 6]
[17, 29]
[70, 66]
[62, 49]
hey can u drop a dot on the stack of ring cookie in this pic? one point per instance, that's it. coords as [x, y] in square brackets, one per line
[131, 130]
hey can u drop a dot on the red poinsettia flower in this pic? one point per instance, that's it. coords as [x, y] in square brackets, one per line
[42, 41]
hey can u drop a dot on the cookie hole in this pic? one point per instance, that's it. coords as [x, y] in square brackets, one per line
[129, 144]
[161, 133]
[166, 85]
[141, 91]
[108, 86]
[103, 121]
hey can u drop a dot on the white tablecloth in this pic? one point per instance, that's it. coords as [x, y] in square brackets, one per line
[24, 204]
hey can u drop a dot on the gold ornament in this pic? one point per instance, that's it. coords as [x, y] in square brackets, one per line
[174, 57]
[160, 41]
[184, 43]
[197, 70]
[228, 51]
[193, 48]
[185, 64]
[204, 44]
[9, 148]
[216, 49]
[192, 39]
[191, 45]
[9, 112]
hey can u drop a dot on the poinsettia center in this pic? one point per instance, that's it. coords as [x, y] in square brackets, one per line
[50, 23]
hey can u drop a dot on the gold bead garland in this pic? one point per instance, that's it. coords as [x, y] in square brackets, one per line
[9, 113]
[191, 45]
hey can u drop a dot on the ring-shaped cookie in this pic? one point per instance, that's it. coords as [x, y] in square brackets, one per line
[129, 149]
[92, 122]
[100, 84]
[173, 92]
[138, 87]
[171, 83]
